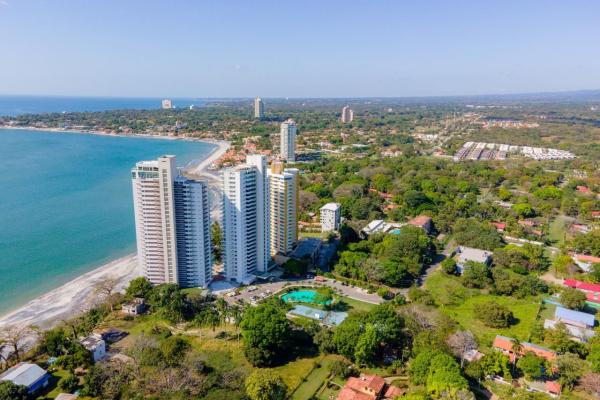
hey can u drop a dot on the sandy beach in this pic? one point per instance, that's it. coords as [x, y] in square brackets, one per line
[79, 294]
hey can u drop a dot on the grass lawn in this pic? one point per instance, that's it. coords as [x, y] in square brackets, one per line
[357, 305]
[314, 380]
[464, 311]
[557, 229]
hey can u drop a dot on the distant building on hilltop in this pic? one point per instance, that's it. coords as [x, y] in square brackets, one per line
[347, 115]
[167, 104]
[283, 202]
[259, 108]
[330, 217]
[288, 140]
[172, 219]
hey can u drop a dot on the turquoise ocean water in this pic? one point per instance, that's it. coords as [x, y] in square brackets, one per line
[66, 205]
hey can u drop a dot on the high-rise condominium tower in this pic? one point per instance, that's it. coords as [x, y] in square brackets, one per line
[167, 104]
[259, 108]
[246, 219]
[283, 199]
[347, 115]
[172, 221]
[288, 140]
[192, 229]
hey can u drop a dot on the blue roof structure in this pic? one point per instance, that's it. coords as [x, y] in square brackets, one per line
[30, 375]
[575, 316]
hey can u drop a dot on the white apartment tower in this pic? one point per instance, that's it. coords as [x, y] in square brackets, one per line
[246, 219]
[288, 140]
[330, 217]
[347, 115]
[259, 108]
[167, 104]
[283, 199]
[172, 221]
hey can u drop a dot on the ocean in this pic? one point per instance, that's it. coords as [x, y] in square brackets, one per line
[15, 105]
[66, 205]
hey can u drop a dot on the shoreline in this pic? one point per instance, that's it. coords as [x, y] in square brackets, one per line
[78, 294]
[74, 297]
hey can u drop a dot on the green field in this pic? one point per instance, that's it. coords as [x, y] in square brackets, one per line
[464, 309]
[315, 379]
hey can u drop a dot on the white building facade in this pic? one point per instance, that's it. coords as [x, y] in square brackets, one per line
[288, 140]
[331, 216]
[167, 104]
[259, 108]
[347, 115]
[154, 198]
[246, 219]
[283, 202]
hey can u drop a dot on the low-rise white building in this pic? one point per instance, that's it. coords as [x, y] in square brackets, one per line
[96, 345]
[331, 215]
[466, 254]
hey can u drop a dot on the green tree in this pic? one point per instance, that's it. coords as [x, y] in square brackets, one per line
[494, 315]
[216, 238]
[10, 391]
[449, 266]
[69, 383]
[570, 367]
[476, 275]
[532, 366]
[365, 351]
[173, 350]
[138, 287]
[523, 210]
[265, 384]
[573, 299]
[266, 332]
[472, 233]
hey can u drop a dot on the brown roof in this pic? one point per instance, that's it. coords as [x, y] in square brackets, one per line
[420, 221]
[350, 394]
[393, 392]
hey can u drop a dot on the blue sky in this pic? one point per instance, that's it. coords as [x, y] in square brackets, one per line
[283, 48]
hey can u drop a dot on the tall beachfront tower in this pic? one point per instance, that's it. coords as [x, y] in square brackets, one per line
[283, 199]
[246, 219]
[172, 221]
[259, 108]
[288, 140]
[192, 229]
[347, 115]
[167, 104]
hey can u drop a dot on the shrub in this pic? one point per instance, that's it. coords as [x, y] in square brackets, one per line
[494, 315]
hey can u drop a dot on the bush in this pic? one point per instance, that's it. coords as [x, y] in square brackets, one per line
[69, 383]
[449, 266]
[494, 315]
[573, 298]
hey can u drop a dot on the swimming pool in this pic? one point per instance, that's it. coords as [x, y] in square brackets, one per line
[303, 296]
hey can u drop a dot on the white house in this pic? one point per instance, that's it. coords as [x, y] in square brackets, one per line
[466, 254]
[25, 374]
[96, 345]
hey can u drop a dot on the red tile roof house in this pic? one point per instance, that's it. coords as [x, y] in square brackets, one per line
[591, 290]
[422, 221]
[368, 387]
[595, 214]
[506, 344]
[583, 189]
[500, 226]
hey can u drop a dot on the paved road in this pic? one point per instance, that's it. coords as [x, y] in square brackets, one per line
[264, 290]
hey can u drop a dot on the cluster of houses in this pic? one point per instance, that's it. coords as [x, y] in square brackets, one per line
[591, 290]
[36, 379]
